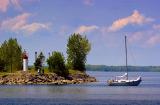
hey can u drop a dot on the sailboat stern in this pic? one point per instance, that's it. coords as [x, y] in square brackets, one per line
[135, 82]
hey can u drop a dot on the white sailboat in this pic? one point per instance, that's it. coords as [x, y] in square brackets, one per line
[123, 80]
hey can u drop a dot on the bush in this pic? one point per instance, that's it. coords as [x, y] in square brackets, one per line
[56, 63]
[39, 63]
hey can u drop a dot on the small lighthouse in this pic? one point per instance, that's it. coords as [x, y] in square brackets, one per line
[25, 61]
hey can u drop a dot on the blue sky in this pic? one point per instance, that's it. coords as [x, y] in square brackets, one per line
[45, 25]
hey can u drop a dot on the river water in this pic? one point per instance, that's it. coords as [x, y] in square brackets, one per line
[147, 93]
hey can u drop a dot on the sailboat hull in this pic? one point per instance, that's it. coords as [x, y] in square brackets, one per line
[125, 82]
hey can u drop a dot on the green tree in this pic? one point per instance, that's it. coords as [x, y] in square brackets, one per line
[39, 61]
[77, 49]
[2, 65]
[11, 55]
[56, 63]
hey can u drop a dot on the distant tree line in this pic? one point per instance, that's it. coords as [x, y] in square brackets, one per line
[123, 68]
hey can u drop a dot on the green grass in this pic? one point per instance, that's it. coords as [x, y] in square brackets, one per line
[75, 72]
[8, 73]
[46, 71]
[3, 73]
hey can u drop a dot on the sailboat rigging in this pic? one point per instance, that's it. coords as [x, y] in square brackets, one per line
[124, 80]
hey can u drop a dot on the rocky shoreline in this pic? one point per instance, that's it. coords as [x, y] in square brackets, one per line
[27, 78]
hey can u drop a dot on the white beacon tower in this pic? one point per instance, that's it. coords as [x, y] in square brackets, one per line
[25, 61]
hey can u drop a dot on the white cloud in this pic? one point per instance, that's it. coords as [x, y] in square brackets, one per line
[88, 2]
[156, 26]
[30, 28]
[20, 23]
[4, 5]
[153, 40]
[137, 36]
[83, 29]
[135, 18]
[145, 39]
[15, 23]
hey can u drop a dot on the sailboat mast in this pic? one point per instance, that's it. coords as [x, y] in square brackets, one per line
[126, 55]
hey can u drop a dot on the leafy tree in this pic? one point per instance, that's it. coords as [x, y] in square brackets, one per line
[39, 61]
[56, 63]
[2, 65]
[77, 49]
[11, 55]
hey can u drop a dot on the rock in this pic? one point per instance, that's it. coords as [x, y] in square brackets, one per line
[50, 78]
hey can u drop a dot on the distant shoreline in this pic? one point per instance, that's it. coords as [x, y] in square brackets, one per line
[122, 71]
[123, 68]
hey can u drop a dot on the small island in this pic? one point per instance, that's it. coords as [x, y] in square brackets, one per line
[14, 64]
[29, 78]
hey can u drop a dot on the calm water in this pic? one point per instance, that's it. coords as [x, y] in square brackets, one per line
[147, 93]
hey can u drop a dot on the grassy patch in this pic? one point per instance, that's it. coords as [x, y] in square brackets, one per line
[3, 73]
[75, 72]
[33, 71]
